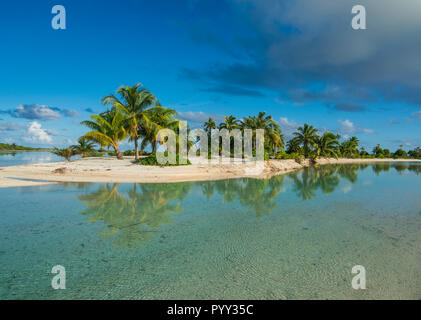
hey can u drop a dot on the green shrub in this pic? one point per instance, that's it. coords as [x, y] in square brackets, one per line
[96, 154]
[128, 153]
[298, 158]
[290, 156]
[131, 153]
[152, 161]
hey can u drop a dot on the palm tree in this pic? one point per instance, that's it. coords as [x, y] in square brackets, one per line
[248, 123]
[293, 146]
[158, 118]
[108, 129]
[133, 104]
[230, 123]
[307, 136]
[66, 153]
[84, 147]
[363, 152]
[349, 147]
[209, 125]
[274, 139]
[327, 145]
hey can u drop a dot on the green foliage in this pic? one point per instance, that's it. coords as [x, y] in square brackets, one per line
[108, 130]
[83, 147]
[136, 114]
[66, 153]
[273, 138]
[349, 148]
[387, 153]
[209, 125]
[131, 153]
[293, 146]
[326, 146]
[298, 157]
[378, 152]
[416, 153]
[400, 153]
[158, 118]
[95, 154]
[15, 147]
[151, 160]
[306, 136]
[134, 104]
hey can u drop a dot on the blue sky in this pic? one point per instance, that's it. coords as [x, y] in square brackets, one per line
[299, 61]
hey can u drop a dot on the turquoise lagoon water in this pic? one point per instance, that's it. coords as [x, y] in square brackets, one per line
[294, 236]
[20, 157]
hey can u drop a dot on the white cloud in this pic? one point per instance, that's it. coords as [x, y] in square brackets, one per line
[369, 131]
[70, 113]
[35, 111]
[36, 134]
[9, 126]
[288, 126]
[348, 126]
[199, 116]
[282, 102]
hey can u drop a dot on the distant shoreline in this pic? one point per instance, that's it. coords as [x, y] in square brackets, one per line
[35, 150]
[111, 170]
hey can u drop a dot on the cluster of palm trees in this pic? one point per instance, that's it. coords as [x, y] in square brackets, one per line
[134, 113]
[306, 141]
[274, 140]
[83, 148]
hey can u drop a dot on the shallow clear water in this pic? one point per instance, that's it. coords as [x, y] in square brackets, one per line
[18, 158]
[294, 236]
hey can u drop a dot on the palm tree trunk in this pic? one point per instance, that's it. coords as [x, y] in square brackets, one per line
[118, 153]
[136, 149]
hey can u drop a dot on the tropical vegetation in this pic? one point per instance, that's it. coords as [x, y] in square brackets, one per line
[135, 114]
[84, 147]
[66, 153]
[15, 147]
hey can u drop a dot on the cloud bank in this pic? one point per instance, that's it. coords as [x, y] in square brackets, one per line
[39, 112]
[308, 52]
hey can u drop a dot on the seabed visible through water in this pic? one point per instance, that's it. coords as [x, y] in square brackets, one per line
[294, 236]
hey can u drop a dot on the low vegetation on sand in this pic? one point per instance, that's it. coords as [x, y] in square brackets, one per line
[152, 160]
[15, 147]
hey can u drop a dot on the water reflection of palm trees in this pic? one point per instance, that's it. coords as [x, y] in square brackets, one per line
[325, 178]
[400, 167]
[133, 213]
[255, 195]
[381, 167]
[132, 217]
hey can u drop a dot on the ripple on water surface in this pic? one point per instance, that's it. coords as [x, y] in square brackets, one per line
[295, 236]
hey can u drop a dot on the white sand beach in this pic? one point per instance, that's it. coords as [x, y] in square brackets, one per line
[108, 169]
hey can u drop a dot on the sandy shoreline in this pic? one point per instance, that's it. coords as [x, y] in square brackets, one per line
[121, 171]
